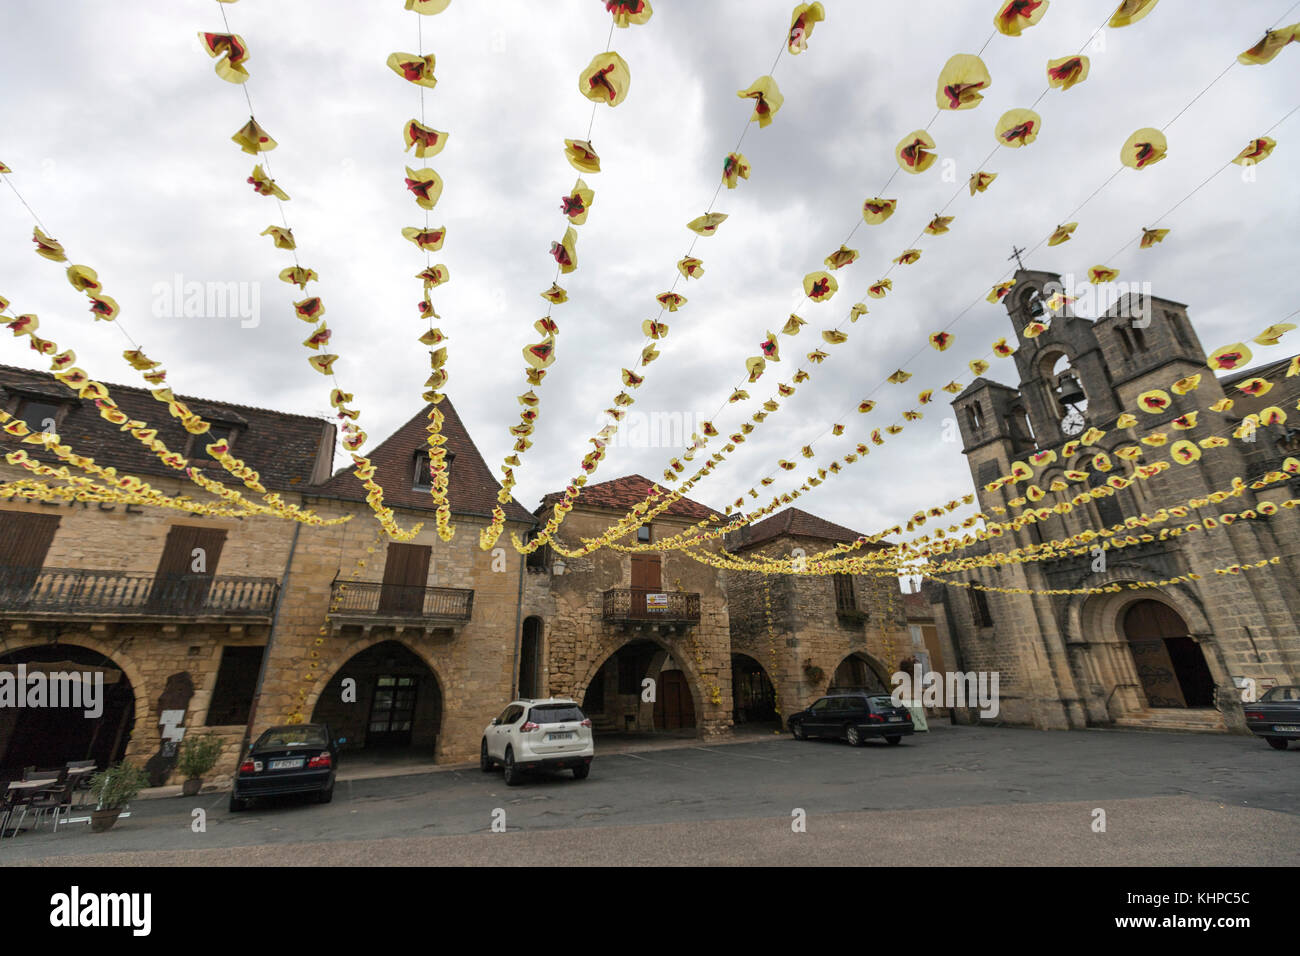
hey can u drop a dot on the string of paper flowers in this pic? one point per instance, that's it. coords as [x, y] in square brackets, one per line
[426, 186]
[231, 55]
[767, 101]
[606, 80]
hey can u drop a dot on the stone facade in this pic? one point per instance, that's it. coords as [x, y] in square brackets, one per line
[1067, 660]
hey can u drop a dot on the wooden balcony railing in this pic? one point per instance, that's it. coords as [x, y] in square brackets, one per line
[641, 604]
[361, 599]
[75, 591]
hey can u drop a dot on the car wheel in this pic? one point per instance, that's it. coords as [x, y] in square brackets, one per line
[852, 736]
[512, 772]
[580, 772]
[796, 729]
[325, 796]
[894, 740]
[236, 804]
[484, 761]
[1277, 743]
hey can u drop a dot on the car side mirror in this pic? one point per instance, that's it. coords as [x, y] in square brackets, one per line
[496, 721]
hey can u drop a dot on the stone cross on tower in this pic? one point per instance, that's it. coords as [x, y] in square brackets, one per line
[1015, 254]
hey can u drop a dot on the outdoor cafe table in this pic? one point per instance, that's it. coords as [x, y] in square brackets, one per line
[32, 784]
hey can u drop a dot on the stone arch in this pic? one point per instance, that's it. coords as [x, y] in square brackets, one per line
[753, 691]
[874, 668]
[664, 649]
[142, 732]
[362, 645]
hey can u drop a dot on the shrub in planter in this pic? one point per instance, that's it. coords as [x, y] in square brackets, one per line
[199, 754]
[813, 673]
[115, 788]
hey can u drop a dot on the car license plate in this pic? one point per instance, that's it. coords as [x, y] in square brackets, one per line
[895, 720]
[1286, 728]
[292, 763]
[565, 736]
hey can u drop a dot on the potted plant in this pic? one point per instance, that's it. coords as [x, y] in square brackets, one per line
[814, 673]
[199, 754]
[115, 787]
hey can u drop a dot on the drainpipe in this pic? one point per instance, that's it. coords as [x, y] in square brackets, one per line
[519, 611]
[270, 640]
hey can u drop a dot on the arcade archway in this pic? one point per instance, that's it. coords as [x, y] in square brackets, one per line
[384, 698]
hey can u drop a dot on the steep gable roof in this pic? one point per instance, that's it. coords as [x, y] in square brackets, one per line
[620, 494]
[471, 490]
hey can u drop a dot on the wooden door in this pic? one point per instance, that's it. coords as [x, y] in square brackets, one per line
[674, 708]
[646, 577]
[188, 563]
[406, 571]
[24, 541]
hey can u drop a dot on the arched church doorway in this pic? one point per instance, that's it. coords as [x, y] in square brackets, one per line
[1169, 662]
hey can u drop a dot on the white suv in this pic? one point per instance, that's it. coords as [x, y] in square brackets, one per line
[548, 734]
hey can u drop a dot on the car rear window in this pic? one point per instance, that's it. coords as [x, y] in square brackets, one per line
[1282, 693]
[555, 713]
[292, 737]
[883, 703]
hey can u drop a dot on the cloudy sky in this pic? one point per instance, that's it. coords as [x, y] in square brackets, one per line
[119, 131]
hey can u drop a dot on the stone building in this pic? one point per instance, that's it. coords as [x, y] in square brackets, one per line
[396, 645]
[1171, 656]
[614, 620]
[807, 634]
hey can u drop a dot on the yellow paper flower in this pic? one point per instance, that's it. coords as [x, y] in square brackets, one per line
[1018, 128]
[767, 99]
[735, 167]
[1144, 148]
[707, 224]
[1067, 72]
[819, 286]
[1062, 233]
[960, 82]
[606, 79]
[841, 257]
[414, 68]
[1151, 236]
[1130, 11]
[1270, 45]
[875, 211]
[252, 139]
[581, 156]
[1229, 357]
[802, 20]
[425, 185]
[914, 152]
[1100, 274]
[1257, 151]
[1015, 16]
[690, 267]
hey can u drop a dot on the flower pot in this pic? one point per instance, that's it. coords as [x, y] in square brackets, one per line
[191, 786]
[102, 820]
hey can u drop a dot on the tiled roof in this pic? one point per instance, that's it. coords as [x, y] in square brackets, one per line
[472, 490]
[284, 448]
[620, 494]
[791, 521]
[980, 383]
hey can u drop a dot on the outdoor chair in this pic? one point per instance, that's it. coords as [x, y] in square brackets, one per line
[54, 801]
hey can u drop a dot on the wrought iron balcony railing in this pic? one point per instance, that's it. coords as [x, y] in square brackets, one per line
[355, 600]
[75, 591]
[642, 604]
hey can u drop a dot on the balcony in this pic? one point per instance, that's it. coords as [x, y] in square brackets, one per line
[369, 605]
[74, 593]
[641, 608]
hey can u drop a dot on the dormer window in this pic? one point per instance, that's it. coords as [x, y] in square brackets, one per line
[423, 476]
[217, 432]
[40, 415]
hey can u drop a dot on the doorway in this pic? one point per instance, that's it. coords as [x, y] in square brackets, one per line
[1169, 663]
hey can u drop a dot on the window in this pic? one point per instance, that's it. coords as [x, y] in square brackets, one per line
[845, 598]
[1139, 339]
[423, 476]
[539, 560]
[232, 696]
[555, 714]
[643, 533]
[979, 606]
[975, 416]
[38, 415]
[821, 706]
[215, 433]
[1109, 511]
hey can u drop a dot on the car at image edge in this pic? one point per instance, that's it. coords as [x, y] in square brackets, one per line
[1276, 716]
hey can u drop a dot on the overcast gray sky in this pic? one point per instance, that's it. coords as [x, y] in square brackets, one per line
[118, 131]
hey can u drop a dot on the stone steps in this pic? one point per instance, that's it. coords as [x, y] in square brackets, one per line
[1200, 720]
